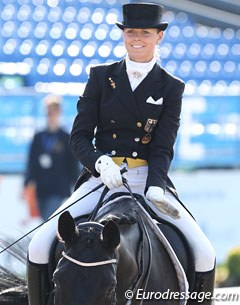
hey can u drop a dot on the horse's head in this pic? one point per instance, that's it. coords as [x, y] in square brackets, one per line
[86, 274]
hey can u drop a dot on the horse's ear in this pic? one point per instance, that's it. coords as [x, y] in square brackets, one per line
[66, 227]
[110, 235]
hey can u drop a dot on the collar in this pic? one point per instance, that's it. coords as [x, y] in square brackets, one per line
[139, 67]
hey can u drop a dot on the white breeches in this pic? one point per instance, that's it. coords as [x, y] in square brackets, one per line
[41, 242]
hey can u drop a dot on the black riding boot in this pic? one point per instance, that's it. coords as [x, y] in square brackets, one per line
[39, 287]
[203, 288]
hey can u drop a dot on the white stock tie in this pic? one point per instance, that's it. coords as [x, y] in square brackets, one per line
[138, 71]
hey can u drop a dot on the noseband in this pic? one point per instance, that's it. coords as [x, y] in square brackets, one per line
[75, 261]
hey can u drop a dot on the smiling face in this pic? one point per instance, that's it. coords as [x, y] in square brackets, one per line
[140, 43]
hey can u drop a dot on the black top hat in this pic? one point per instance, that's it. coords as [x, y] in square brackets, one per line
[142, 16]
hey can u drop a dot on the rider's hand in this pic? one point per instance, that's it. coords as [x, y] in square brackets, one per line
[109, 172]
[156, 195]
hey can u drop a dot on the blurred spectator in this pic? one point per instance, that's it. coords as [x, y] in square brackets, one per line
[51, 168]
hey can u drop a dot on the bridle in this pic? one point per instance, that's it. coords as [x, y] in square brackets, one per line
[94, 264]
[98, 227]
[144, 272]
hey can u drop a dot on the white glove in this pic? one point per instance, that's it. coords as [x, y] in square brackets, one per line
[109, 172]
[156, 195]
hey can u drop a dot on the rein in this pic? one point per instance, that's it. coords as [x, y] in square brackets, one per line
[94, 264]
[144, 274]
[50, 218]
[124, 170]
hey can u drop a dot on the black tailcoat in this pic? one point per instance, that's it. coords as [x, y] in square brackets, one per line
[119, 119]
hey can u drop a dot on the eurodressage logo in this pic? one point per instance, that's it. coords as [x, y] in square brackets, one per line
[171, 295]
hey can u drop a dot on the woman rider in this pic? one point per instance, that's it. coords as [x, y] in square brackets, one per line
[130, 110]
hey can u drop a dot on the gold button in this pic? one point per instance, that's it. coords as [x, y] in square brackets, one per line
[139, 124]
[114, 136]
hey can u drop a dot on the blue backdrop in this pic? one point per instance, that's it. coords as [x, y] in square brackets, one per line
[209, 135]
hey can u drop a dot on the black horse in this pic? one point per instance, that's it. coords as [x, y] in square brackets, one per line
[115, 259]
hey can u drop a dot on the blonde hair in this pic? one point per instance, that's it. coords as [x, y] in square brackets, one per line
[52, 99]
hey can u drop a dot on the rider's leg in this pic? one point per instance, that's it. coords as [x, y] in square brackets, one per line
[203, 252]
[39, 247]
[204, 287]
[38, 284]
[45, 235]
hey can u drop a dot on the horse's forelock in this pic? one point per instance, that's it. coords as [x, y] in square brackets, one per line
[89, 233]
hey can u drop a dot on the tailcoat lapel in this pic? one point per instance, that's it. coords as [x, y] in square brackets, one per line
[123, 90]
[151, 86]
[135, 102]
